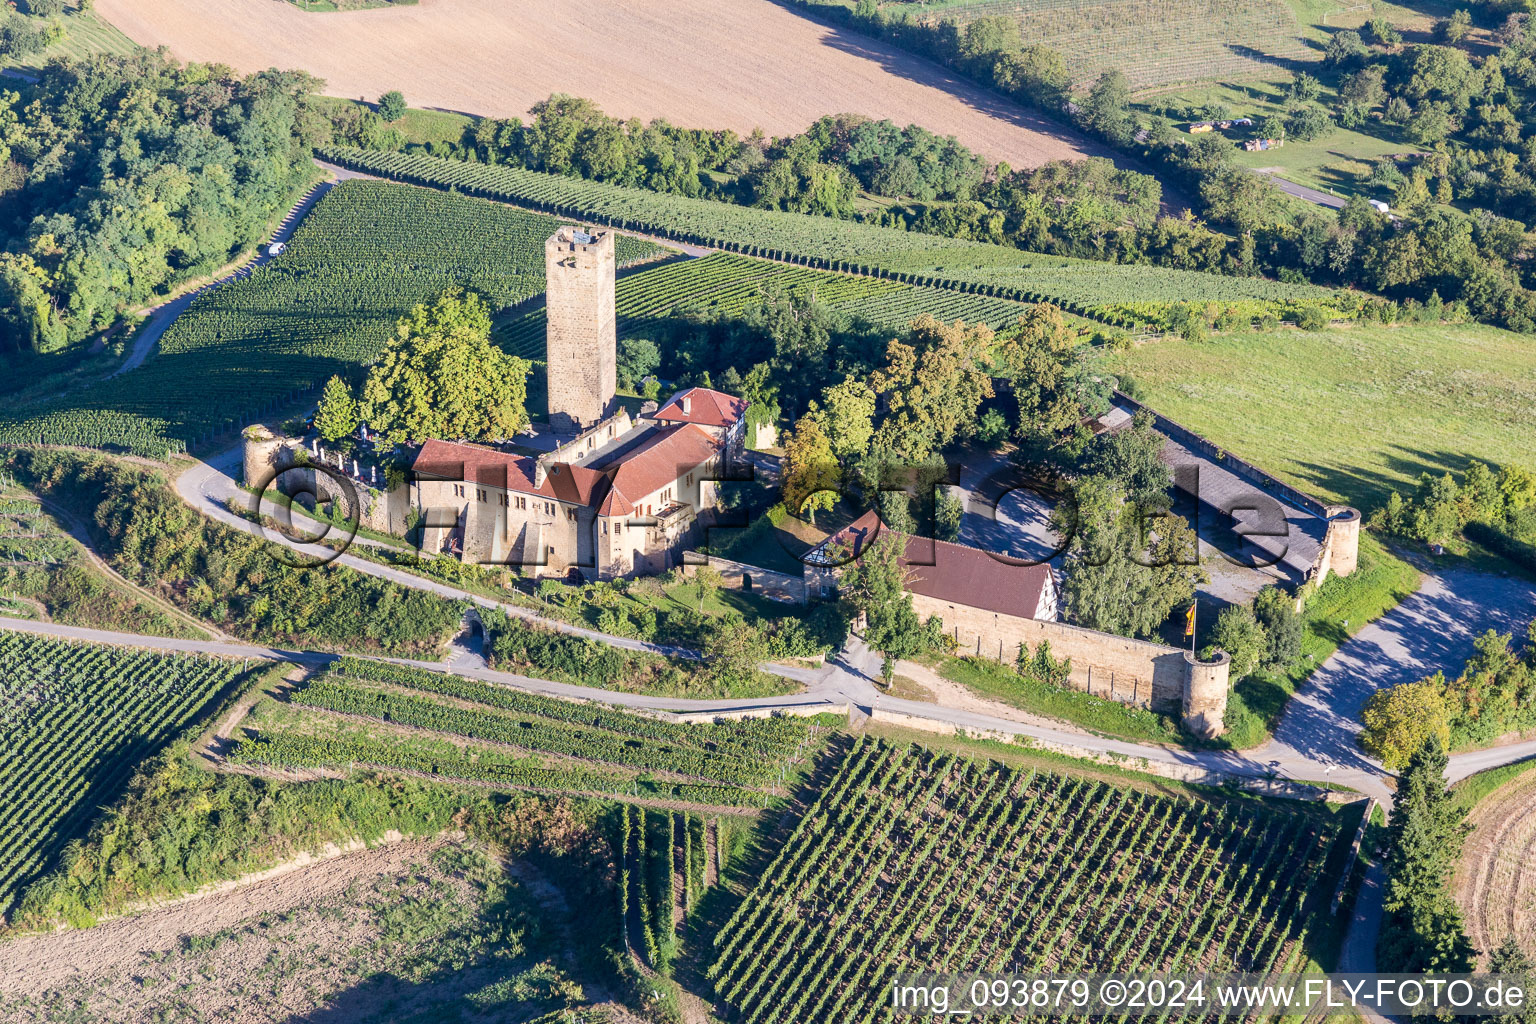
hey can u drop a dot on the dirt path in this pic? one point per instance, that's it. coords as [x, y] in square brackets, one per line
[1495, 882]
[742, 65]
[35, 964]
[82, 537]
[950, 694]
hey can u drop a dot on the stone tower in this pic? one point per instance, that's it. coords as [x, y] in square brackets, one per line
[581, 346]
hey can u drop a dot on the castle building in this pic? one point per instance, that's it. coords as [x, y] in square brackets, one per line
[581, 346]
[616, 495]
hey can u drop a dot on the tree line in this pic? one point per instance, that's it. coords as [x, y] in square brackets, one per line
[123, 176]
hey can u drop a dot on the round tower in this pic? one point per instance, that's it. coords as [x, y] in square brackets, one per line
[265, 455]
[1205, 694]
[1343, 539]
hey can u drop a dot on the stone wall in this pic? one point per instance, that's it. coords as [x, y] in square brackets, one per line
[1135, 672]
[775, 585]
[581, 343]
[1341, 544]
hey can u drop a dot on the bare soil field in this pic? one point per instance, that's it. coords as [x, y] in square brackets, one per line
[698, 63]
[1496, 880]
[369, 935]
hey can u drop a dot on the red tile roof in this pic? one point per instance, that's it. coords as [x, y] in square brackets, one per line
[663, 460]
[670, 453]
[954, 573]
[447, 460]
[705, 407]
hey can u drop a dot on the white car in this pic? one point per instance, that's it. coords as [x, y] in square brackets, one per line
[275, 248]
[1379, 206]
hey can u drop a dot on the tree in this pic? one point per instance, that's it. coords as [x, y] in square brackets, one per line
[1381, 32]
[875, 584]
[1455, 28]
[1118, 581]
[1345, 48]
[1422, 931]
[638, 359]
[1401, 719]
[734, 648]
[1276, 612]
[1304, 88]
[811, 474]
[847, 415]
[948, 511]
[706, 581]
[933, 385]
[1106, 108]
[1307, 121]
[392, 105]
[440, 377]
[1239, 634]
[1133, 459]
[336, 417]
[1052, 380]
[1239, 197]
[45, 8]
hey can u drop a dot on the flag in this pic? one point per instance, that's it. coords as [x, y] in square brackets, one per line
[1189, 621]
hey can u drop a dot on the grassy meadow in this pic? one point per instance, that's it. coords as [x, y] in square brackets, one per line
[1351, 413]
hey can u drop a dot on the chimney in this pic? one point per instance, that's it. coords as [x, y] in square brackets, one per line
[539, 472]
[687, 404]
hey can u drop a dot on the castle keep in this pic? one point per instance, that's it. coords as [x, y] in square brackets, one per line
[595, 493]
[581, 348]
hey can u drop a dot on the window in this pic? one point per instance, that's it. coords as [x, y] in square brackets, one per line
[480, 493]
[522, 502]
[689, 480]
[618, 528]
[458, 490]
[549, 507]
[503, 501]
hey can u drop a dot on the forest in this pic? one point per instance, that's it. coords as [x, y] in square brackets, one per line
[121, 177]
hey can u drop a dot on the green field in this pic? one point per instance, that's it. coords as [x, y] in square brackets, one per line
[1351, 413]
[1150, 42]
[913, 861]
[366, 254]
[74, 721]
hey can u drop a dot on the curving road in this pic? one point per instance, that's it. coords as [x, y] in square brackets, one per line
[163, 315]
[1316, 740]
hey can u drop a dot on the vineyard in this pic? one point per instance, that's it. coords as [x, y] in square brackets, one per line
[367, 253]
[918, 861]
[663, 873]
[74, 721]
[906, 257]
[725, 284]
[515, 738]
[1149, 42]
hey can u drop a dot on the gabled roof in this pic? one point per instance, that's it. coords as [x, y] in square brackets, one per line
[447, 460]
[705, 407]
[664, 455]
[954, 573]
[661, 461]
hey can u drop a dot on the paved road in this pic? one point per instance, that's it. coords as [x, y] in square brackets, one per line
[1305, 192]
[210, 486]
[1431, 631]
[162, 316]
